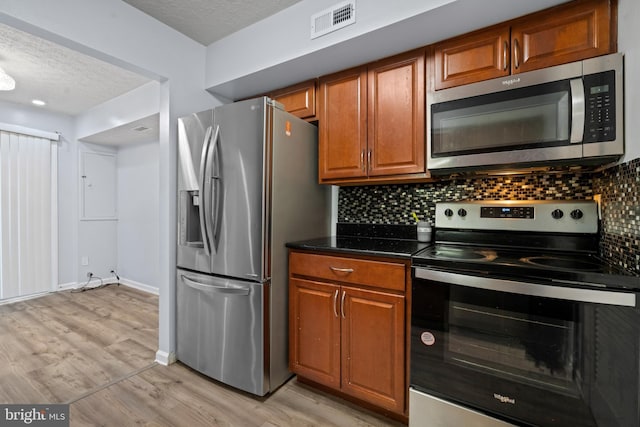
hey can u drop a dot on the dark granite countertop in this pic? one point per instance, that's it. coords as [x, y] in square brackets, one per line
[397, 241]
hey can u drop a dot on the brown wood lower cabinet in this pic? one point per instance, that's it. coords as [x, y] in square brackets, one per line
[348, 336]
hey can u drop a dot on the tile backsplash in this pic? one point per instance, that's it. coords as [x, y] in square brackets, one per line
[618, 187]
[620, 238]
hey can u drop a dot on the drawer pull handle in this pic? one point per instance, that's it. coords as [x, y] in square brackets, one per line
[341, 270]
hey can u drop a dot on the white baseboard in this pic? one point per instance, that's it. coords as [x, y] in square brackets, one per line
[23, 298]
[164, 358]
[140, 286]
[67, 286]
[96, 282]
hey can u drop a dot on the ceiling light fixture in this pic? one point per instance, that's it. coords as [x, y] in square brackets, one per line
[6, 81]
[38, 102]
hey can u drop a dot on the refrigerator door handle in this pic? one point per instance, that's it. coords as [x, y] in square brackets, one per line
[203, 201]
[214, 288]
[215, 178]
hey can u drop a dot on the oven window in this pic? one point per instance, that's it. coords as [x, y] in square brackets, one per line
[515, 119]
[534, 360]
[530, 341]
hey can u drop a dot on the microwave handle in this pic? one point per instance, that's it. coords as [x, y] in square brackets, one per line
[577, 110]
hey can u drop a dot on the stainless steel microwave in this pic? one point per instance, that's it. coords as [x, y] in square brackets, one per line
[570, 114]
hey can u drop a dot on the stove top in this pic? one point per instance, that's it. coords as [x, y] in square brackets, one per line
[545, 241]
[562, 267]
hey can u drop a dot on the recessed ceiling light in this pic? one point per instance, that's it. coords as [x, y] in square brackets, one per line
[38, 102]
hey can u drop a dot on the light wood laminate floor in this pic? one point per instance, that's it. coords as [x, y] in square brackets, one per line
[95, 351]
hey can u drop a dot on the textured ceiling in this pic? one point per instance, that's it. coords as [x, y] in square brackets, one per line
[72, 83]
[206, 21]
[68, 81]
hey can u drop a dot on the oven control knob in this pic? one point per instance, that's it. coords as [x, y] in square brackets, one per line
[576, 214]
[462, 212]
[557, 214]
[448, 213]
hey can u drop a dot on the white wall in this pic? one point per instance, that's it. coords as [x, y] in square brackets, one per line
[120, 34]
[36, 118]
[138, 215]
[97, 238]
[136, 104]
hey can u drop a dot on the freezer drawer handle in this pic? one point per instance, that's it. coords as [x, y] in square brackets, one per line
[214, 288]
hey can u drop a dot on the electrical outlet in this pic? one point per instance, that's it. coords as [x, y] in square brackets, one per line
[84, 260]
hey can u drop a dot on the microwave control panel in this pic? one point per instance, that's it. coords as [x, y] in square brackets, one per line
[600, 112]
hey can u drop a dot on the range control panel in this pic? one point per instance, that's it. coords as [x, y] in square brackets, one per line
[524, 212]
[559, 216]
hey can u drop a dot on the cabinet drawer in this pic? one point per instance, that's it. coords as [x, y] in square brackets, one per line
[387, 275]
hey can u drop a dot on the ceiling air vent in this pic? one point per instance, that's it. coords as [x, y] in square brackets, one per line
[334, 18]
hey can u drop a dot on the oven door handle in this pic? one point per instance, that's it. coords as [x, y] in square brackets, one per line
[625, 299]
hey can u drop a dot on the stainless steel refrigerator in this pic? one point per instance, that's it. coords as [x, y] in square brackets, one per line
[247, 184]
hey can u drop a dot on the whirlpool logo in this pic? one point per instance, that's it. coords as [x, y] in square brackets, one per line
[504, 399]
[511, 82]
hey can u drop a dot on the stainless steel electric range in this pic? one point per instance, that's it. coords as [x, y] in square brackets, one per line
[516, 321]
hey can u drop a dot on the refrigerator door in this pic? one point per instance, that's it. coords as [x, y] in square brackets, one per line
[220, 329]
[239, 190]
[195, 133]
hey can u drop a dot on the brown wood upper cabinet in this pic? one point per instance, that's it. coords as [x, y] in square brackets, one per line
[299, 100]
[371, 121]
[566, 33]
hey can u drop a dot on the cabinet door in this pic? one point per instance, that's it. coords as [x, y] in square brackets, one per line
[373, 339]
[314, 331]
[396, 140]
[564, 34]
[342, 125]
[473, 57]
[299, 100]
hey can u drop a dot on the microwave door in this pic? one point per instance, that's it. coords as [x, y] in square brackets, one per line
[532, 124]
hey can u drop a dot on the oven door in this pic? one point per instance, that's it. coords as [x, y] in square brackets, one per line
[528, 353]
